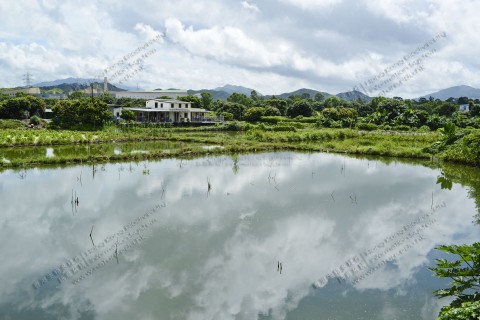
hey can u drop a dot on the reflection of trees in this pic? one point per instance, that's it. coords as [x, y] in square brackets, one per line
[235, 167]
[467, 176]
[451, 173]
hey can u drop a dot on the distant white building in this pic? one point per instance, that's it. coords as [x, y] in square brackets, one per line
[165, 110]
[173, 94]
[32, 91]
[464, 108]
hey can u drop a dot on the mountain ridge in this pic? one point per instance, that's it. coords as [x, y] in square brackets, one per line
[223, 92]
[455, 92]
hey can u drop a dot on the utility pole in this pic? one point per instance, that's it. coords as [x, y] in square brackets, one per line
[27, 79]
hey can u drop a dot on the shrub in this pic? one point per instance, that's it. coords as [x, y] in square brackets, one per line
[254, 114]
[11, 124]
[402, 127]
[128, 115]
[235, 126]
[35, 120]
[227, 116]
[424, 129]
[274, 120]
[272, 111]
[284, 127]
[300, 108]
[367, 126]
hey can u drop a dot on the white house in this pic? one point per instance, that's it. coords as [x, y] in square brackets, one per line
[165, 110]
[464, 108]
[173, 94]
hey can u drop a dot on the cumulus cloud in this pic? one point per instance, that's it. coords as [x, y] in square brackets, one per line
[233, 46]
[322, 44]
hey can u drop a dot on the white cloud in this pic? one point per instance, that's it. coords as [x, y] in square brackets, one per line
[250, 6]
[400, 11]
[312, 4]
[329, 45]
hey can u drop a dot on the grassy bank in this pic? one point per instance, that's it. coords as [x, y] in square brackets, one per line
[193, 142]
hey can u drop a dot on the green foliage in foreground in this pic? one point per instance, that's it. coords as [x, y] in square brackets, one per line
[465, 287]
[11, 124]
[457, 145]
[469, 310]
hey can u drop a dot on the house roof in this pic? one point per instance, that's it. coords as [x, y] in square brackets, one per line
[167, 110]
[169, 100]
[155, 91]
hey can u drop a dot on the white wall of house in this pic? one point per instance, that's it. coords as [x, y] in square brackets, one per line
[162, 110]
[117, 112]
[161, 104]
[464, 108]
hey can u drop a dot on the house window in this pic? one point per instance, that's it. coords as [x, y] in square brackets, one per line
[171, 106]
[156, 104]
[161, 105]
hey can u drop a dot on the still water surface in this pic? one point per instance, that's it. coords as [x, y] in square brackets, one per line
[204, 239]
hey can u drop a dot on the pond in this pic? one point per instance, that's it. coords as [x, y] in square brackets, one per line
[258, 236]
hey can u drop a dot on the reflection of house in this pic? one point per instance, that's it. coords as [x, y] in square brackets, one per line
[173, 94]
[165, 110]
[464, 108]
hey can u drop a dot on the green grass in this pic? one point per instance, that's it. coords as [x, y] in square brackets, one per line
[252, 138]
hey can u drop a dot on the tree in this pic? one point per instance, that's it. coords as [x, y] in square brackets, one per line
[76, 95]
[4, 96]
[254, 114]
[78, 113]
[305, 96]
[65, 113]
[272, 111]
[239, 98]
[319, 97]
[22, 107]
[37, 105]
[317, 105]
[128, 115]
[195, 101]
[462, 100]
[465, 273]
[333, 102]
[391, 109]
[279, 104]
[300, 108]
[422, 100]
[236, 109]
[446, 109]
[364, 110]
[94, 113]
[107, 98]
[331, 113]
[475, 110]
[254, 95]
[206, 100]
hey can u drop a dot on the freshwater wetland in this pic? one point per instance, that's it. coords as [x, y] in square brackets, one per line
[203, 237]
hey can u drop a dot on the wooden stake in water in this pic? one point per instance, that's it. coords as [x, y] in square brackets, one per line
[91, 236]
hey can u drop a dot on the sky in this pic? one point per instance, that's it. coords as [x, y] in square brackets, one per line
[402, 48]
